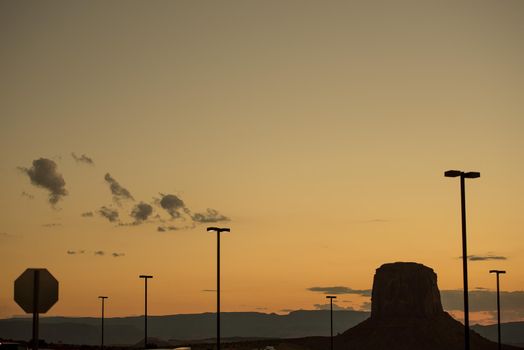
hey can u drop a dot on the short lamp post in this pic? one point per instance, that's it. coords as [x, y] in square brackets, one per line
[498, 272]
[145, 277]
[218, 230]
[102, 298]
[331, 297]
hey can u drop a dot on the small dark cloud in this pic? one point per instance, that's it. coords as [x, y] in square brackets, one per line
[119, 193]
[166, 228]
[82, 159]
[27, 195]
[87, 214]
[211, 215]
[173, 205]
[340, 290]
[109, 214]
[100, 252]
[209, 290]
[287, 310]
[53, 224]
[141, 212]
[485, 257]
[261, 308]
[481, 288]
[483, 300]
[74, 252]
[5, 235]
[43, 174]
[335, 307]
[117, 255]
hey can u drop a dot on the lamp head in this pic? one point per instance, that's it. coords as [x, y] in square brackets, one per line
[497, 271]
[472, 175]
[331, 297]
[219, 229]
[145, 276]
[452, 173]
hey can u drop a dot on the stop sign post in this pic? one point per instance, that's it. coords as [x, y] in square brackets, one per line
[36, 291]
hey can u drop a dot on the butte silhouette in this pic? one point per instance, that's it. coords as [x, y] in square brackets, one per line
[406, 313]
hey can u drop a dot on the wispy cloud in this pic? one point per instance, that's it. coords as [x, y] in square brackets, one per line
[211, 215]
[335, 307]
[483, 300]
[82, 159]
[167, 228]
[209, 290]
[53, 224]
[108, 213]
[87, 214]
[119, 193]
[27, 195]
[117, 255]
[74, 252]
[43, 173]
[485, 257]
[340, 290]
[100, 253]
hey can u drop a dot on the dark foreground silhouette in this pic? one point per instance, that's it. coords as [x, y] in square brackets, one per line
[406, 314]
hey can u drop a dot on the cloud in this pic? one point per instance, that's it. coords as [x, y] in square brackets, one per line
[209, 290]
[87, 214]
[210, 216]
[335, 307]
[340, 290]
[483, 300]
[5, 235]
[172, 204]
[119, 193]
[100, 252]
[43, 174]
[53, 224]
[287, 310]
[116, 255]
[141, 212]
[74, 252]
[108, 213]
[485, 257]
[27, 195]
[82, 159]
[166, 228]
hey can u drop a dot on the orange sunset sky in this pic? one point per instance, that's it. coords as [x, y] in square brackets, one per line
[318, 131]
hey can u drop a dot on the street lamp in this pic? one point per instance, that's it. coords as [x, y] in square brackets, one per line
[102, 298]
[218, 231]
[464, 175]
[498, 272]
[331, 297]
[145, 277]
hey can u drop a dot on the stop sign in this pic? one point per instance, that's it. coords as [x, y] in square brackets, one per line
[41, 282]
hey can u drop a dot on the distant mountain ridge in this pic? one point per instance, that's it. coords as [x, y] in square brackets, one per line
[129, 330]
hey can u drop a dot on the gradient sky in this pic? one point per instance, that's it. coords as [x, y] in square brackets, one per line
[321, 129]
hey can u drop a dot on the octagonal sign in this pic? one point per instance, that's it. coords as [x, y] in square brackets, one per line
[36, 286]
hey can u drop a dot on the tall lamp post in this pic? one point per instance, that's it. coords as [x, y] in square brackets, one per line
[464, 175]
[102, 298]
[218, 231]
[498, 272]
[331, 297]
[145, 277]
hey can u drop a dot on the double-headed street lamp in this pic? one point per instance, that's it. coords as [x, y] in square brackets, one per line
[498, 272]
[218, 231]
[331, 297]
[464, 175]
[102, 298]
[145, 277]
